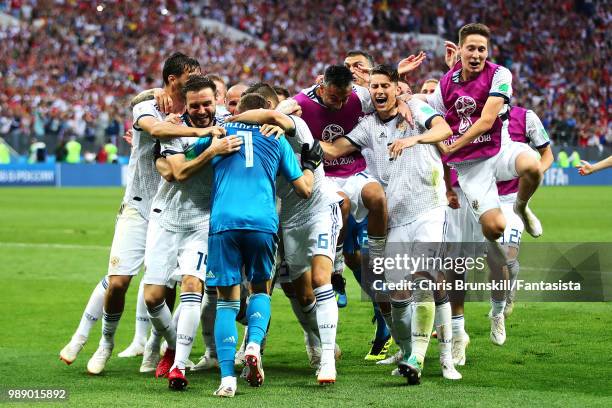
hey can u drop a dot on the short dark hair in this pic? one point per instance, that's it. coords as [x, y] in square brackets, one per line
[474, 28]
[387, 70]
[281, 91]
[177, 64]
[215, 77]
[355, 53]
[338, 76]
[196, 83]
[264, 89]
[252, 101]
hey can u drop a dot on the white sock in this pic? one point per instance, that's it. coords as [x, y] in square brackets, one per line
[187, 326]
[209, 312]
[154, 341]
[497, 307]
[376, 246]
[389, 322]
[176, 313]
[93, 310]
[458, 323]
[327, 319]
[110, 321]
[513, 269]
[143, 324]
[497, 261]
[161, 319]
[306, 315]
[401, 312]
[422, 321]
[444, 329]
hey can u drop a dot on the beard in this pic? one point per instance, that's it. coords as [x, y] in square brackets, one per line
[202, 121]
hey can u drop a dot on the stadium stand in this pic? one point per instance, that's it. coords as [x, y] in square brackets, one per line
[69, 66]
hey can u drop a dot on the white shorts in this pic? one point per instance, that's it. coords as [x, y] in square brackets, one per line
[422, 238]
[463, 235]
[352, 186]
[129, 242]
[514, 224]
[477, 179]
[318, 236]
[167, 249]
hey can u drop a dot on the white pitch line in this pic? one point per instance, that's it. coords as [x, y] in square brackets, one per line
[50, 245]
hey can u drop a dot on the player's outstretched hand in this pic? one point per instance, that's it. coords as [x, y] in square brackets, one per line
[404, 111]
[163, 100]
[128, 136]
[451, 53]
[410, 63]
[312, 157]
[395, 150]
[289, 107]
[271, 130]
[453, 199]
[585, 168]
[225, 145]
[362, 73]
[443, 148]
[212, 131]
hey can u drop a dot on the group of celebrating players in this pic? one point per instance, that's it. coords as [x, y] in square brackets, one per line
[362, 170]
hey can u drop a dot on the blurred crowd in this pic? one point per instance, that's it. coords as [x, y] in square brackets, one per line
[70, 67]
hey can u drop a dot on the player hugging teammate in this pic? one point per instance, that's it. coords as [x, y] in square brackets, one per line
[349, 158]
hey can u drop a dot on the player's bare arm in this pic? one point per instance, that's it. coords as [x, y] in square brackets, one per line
[546, 157]
[440, 131]
[311, 158]
[166, 129]
[586, 168]
[338, 148]
[490, 112]
[183, 169]
[141, 97]
[164, 169]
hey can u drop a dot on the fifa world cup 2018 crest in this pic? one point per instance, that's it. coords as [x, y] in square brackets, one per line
[465, 106]
[332, 132]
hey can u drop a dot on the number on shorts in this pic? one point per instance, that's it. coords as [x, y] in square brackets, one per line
[323, 241]
[248, 146]
[515, 237]
[201, 257]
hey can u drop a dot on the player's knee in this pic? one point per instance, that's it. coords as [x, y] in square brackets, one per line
[493, 227]
[191, 284]
[118, 284]
[153, 296]
[493, 231]
[528, 165]
[373, 197]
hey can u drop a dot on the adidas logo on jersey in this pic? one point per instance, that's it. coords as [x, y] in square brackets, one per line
[209, 274]
[256, 315]
[230, 339]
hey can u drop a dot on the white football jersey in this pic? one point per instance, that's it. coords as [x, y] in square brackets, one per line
[142, 176]
[184, 206]
[294, 209]
[413, 182]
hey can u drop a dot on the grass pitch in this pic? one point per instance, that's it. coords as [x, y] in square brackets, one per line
[54, 247]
